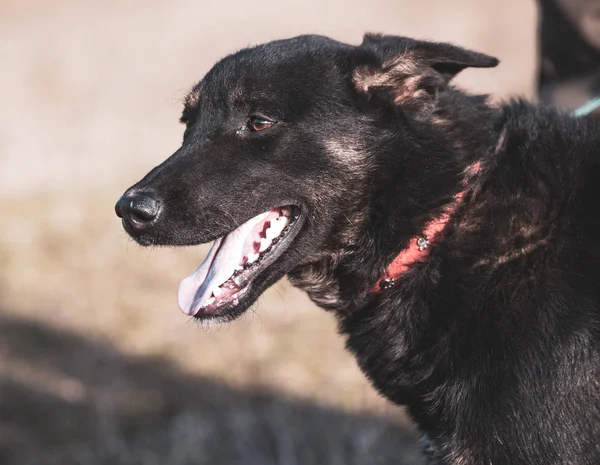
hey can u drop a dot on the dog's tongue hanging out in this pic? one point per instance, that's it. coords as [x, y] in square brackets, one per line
[217, 277]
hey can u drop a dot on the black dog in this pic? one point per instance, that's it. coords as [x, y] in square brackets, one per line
[457, 243]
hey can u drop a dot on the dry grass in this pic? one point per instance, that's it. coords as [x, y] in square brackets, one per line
[97, 365]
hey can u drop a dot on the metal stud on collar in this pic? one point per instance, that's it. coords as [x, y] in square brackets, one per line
[387, 283]
[423, 243]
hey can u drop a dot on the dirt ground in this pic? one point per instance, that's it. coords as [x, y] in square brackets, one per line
[97, 365]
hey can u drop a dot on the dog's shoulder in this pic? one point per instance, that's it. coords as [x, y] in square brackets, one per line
[549, 156]
[542, 134]
[545, 166]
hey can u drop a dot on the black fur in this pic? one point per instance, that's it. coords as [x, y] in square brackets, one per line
[493, 340]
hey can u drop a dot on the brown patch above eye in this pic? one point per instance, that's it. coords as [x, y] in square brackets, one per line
[193, 98]
[190, 105]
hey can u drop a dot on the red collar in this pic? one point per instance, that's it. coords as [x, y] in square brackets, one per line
[419, 245]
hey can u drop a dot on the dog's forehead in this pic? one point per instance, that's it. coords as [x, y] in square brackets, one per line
[271, 66]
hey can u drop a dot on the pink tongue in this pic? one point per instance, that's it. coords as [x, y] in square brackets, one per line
[224, 257]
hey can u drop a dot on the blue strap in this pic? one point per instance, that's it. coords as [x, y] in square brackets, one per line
[587, 107]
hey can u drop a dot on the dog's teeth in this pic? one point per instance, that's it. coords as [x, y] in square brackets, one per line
[217, 291]
[272, 233]
[252, 258]
[237, 280]
[278, 225]
[264, 244]
[210, 301]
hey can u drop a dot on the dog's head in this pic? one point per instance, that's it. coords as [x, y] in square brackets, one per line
[280, 144]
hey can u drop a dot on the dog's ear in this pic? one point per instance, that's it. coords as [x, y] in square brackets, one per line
[409, 73]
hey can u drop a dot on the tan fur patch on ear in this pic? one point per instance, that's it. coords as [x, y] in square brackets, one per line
[408, 90]
[401, 78]
[402, 82]
[368, 77]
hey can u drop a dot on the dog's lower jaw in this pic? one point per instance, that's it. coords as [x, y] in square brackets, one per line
[331, 285]
[318, 280]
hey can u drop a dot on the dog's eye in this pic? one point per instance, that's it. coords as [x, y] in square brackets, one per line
[259, 124]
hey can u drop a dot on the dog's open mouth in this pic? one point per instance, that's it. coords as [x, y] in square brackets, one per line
[235, 260]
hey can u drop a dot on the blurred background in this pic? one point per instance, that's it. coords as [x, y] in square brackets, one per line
[97, 364]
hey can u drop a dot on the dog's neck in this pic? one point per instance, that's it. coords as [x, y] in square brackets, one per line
[413, 197]
[418, 246]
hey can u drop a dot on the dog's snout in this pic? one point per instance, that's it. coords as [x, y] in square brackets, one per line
[138, 209]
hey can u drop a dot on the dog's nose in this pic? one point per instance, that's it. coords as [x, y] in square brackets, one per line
[138, 209]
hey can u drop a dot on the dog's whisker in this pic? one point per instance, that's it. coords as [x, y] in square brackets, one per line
[233, 220]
